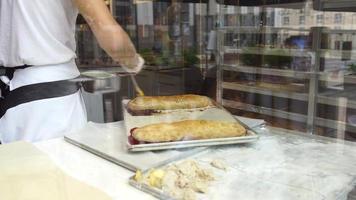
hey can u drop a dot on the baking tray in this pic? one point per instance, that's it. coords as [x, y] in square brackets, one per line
[281, 165]
[160, 194]
[216, 112]
[108, 141]
[152, 190]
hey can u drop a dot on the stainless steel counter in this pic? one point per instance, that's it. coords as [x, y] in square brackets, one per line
[289, 166]
[280, 165]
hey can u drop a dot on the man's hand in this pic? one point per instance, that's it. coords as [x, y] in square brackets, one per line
[111, 37]
[133, 64]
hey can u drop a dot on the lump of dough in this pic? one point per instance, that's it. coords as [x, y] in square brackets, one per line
[219, 164]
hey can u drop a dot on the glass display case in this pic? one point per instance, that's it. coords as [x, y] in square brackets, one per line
[290, 63]
[238, 96]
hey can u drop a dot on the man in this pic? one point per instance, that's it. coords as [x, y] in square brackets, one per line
[37, 49]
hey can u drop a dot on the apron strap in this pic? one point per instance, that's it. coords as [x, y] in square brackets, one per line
[39, 91]
[9, 73]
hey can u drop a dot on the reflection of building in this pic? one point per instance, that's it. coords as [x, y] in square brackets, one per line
[161, 27]
[162, 23]
[289, 65]
[307, 18]
[125, 14]
[282, 26]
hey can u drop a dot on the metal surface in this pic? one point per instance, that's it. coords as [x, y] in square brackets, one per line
[219, 58]
[213, 113]
[150, 190]
[274, 165]
[108, 141]
[314, 81]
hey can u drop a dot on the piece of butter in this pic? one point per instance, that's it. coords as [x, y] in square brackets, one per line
[138, 176]
[155, 178]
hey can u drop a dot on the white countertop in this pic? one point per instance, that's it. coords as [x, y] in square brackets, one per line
[92, 170]
[279, 166]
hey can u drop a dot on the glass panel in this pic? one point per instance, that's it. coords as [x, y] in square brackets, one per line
[290, 63]
[167, 34]
[172, 37]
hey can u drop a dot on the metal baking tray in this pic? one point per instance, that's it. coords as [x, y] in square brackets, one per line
[108, 141]
[204, 159]
[148, 189]
[158, 193]
[216, 112]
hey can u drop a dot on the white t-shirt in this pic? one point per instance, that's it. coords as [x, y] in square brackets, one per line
[37, 32]
[40, 33]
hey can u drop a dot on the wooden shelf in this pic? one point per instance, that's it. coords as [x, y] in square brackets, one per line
[324, 53]
[335, 5]
[332, 99]
[348, 78]
[290, 4]
[268, 71]
[338, 125]
[261, 29]
[270, 51]
[258, 90]
[265, 111]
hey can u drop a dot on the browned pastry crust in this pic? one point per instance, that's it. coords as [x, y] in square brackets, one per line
[146, 105]
[188, 129]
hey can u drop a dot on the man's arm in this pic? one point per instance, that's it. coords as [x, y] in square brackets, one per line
[111, 37]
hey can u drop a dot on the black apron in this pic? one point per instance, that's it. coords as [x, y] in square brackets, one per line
[33, 92]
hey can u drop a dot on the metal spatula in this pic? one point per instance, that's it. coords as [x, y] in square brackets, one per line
[137, 87]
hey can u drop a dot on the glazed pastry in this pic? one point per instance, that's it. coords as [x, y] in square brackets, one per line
[149, 104]
[188, 130]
